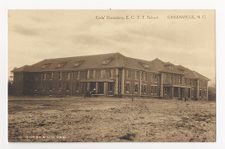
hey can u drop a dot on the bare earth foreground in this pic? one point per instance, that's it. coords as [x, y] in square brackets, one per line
[75, 119]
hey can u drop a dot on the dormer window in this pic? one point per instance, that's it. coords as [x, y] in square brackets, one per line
[78, 63]
[107, 61]
[45, 65]
[181, 69]
[169, 66]
[146, 66]
[60, 65]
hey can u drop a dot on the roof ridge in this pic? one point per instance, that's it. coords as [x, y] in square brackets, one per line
[83, 56]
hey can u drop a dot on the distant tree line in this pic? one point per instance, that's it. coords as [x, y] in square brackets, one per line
[212, 93]
[10, 87]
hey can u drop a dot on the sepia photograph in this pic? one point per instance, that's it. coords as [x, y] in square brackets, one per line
[112, 75]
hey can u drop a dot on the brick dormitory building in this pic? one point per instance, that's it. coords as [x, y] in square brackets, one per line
[109, 75]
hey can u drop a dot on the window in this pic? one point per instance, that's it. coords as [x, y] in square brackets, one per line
[60, 65]
[128, 74]
[144, 65]
[68, 75]
[77, 87]
[144, 89]
[107, 61]
[136, 88]
[94, 74]
[101, 88]
[169, 66]
[45, 65]
[176, 93]
[60, 75]
[60, 86]
[179, 79]
[155, 78]
[127, 87]
[50, 86]
[144, 76]
[102, 73]
[52, 76]
[48, 75]
[44, 76]
[65, 75]
[78, 75]
[111, 74]
[78, 63]
[90, 74]
[67, 86]
[136, 75]
[110, 86]
[154, 90]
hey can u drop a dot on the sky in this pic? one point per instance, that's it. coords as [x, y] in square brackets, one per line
[182, 37]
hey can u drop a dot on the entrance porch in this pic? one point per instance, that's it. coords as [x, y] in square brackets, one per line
[176, 92]
[98, 87]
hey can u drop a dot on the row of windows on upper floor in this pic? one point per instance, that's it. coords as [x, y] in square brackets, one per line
[111, 73]
[178, 79]
[141, 75]
[94, 74]
[89, 74]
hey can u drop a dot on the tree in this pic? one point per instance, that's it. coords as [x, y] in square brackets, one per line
[212, 93]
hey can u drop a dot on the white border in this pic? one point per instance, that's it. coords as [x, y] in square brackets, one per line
[219, 6]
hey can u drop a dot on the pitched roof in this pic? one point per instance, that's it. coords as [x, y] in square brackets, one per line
[110, 60]
[77, 63]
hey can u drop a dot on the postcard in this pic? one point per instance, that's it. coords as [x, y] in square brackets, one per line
[112, 76]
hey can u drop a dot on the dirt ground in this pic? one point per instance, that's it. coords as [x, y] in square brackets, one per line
[75, 119]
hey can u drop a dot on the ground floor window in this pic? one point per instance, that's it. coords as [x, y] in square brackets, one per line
[92, 86]
[67, 86]
[167, 91]
[193, 93]
[144, 89]
[75, 87]
[127, 87]
[101, 88]
[83, 87]
[154, 90]
[136, 88]
[200, 92]
[110, 88]
[175, 92]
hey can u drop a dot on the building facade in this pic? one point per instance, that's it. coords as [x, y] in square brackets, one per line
[109, 75]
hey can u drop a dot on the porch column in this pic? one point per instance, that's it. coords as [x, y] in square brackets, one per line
[88, 86]
[105, 88]
[197, 95]
[123, 81]
[116, 82]
[96, 87]
[140, 82]
[161, 85]
[88, 74]
[179, 92]
[94, 74]
[172, 92]
[207, 93]
[190, 93]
